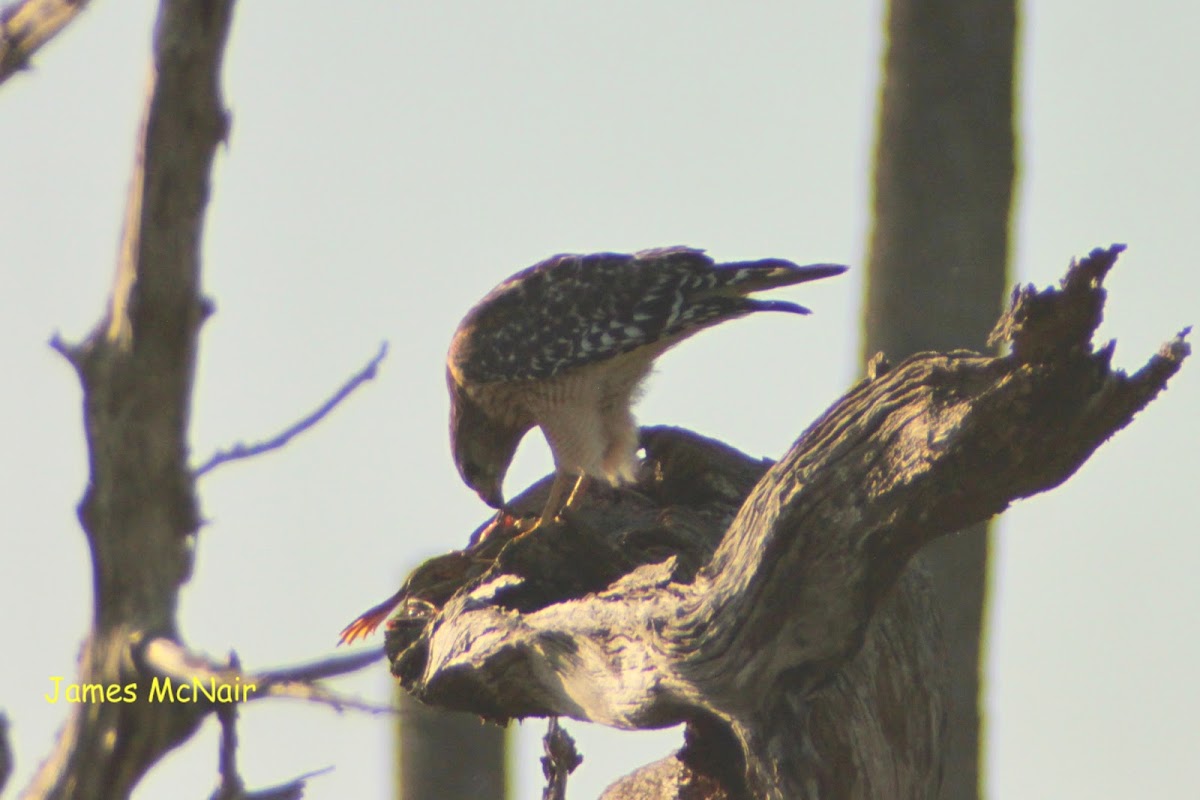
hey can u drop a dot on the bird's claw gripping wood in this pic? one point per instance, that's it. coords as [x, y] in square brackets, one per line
[565, 493]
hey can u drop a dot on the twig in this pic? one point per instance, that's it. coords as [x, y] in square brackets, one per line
[27, 25]
[240, 450]
[292, 790]
[560, 760]
[316, 693]
[231, 782]
[73, 354]
[327, 667]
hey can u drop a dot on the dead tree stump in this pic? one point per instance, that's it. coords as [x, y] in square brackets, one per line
[770, 606]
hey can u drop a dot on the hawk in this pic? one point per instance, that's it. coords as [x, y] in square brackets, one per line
[565, 345]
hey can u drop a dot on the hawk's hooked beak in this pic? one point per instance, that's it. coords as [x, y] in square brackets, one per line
[493, 496]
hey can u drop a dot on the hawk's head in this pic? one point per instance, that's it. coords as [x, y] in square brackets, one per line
[483, 446]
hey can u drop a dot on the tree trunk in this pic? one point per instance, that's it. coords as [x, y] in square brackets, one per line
[448, 755]
[140, 510]
[936, 270]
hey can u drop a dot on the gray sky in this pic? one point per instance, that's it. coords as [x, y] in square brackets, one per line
[390, 162]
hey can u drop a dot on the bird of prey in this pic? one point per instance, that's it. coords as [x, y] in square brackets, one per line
[565, 344]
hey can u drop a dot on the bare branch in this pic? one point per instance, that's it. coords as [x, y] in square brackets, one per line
[241, 451]
[327, 667]
[321, 695]
[72, 354]
[26, 25]
[232, 787]
[292, 790]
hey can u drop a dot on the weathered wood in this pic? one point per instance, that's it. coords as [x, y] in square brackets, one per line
[936, 265]
[788, 652]
[140, 510]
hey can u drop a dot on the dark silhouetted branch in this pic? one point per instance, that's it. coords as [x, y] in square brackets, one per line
[240, 451]
[231, 786]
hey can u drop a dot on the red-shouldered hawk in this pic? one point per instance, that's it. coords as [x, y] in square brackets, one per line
[565, 344]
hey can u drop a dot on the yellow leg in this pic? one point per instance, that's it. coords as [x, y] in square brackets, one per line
[566, 485]
[576, 493]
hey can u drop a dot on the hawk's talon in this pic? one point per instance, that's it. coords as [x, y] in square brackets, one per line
[525, 526]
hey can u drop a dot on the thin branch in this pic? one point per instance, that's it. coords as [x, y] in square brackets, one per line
[72, 354]
[241, 450]
[27, 25]
[292, 790]
[230, 684]
[327, 667]
[316, 693]
[231, 786]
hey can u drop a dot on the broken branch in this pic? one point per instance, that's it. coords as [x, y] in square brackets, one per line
[27, 25]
